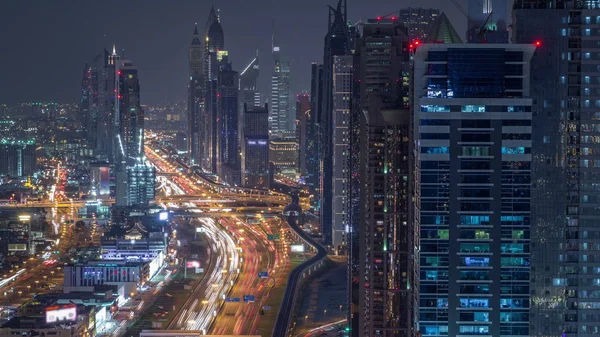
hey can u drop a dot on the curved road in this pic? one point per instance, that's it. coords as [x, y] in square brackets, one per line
[287, 304]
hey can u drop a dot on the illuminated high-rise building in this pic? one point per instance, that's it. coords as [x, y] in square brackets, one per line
[248, 84]
[17, 157]
[280, 118]
[337, 43]
[228, 166]
[565, 140]
[214, 43]
[302, 116]
[255, 147]
[472, 109]
[383, 218]
[313, 170]
[196, 103]
[418, 21]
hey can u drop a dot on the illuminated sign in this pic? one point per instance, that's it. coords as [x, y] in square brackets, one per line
[61, 313]
[162, 216]
[297, 248]
[192, 264]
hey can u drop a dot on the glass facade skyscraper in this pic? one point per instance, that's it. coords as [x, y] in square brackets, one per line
[566, 142]
[473, 118]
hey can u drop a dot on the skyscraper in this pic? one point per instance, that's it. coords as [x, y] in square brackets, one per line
[17, 157]
[280, 114]
[565, 193]
[488, 21]
[140, 182]
[473, 118]
[196, 103]
[228, 167]
[383, 217]
[255, 147]
[215, 42]
[342, 93]
[337, 42]
[418, 21]
[302, 116]
[248, 87]
[129, 131]
[313, 170]
[89, 103]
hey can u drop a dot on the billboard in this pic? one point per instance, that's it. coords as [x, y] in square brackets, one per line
[162, 216]
[62, 313]
[297, 248]
[192, 264]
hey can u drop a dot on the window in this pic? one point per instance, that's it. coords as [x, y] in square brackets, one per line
[474, 329]
[475, 261]
[516, 150]
[435, 149]
[474, 219]
[476, 151]
[473, 108]
[435, 108]
[474, 303]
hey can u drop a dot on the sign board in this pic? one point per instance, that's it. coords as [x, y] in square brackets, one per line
[61, 313]
[162, 216]
[263, 274]
[297, 248]
[248, 298]
[200, 229]
[192, 264]
[266, 307]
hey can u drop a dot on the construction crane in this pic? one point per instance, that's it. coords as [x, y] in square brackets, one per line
[482, 31]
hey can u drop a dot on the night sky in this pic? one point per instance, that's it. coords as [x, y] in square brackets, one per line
[44, 44]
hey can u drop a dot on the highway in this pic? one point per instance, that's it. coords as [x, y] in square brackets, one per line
[288, 302]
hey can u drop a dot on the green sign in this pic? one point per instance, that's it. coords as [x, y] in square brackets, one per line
[273, 237]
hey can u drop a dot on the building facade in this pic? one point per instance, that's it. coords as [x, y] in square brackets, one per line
[313, 171]
[337, 42]
[255, 147]
[280, 117]
[196, 103]
[302, 116]
[473, 115]
[383, 219]
[419, 21]
[342, 93]
[565, 196]
[229, 151]
[17, 157]
[141, 177]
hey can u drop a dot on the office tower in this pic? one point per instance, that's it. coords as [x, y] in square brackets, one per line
[248, 86]
[283, 156]
[140, 182]
[488, 21]
[302, 115]
[108, 146]
[337, 42]
[89, 103]
[473, 118]
[418, 21]
[255, 147]
[129, 130]
[228, 168]
[442, 31]
[564, 236]
[384, 226]
[17, 157]
[215, 42]
[342, 92]
[196, 104]
[313, 170]
[280, 114]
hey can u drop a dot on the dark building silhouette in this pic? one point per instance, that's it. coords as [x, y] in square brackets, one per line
[384, 225]
[418, 21]
[564, 194]
[255, 147]
[228, 167]
[215, 42]
[337, 42]
[313, 170]
[302, 116]
[196, 101]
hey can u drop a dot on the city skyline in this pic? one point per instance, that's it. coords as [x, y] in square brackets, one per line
[158, 38]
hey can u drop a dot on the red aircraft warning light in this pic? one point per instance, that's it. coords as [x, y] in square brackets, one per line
[538, 43]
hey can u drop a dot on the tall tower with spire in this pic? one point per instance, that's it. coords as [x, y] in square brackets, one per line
[279, 114]
[196, 103]
[215, 42]
[337, 43]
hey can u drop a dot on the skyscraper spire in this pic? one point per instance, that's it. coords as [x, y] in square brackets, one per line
[196, 29]
[114, 52]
